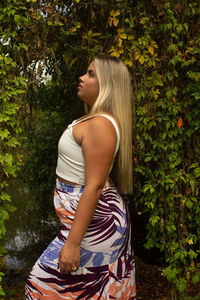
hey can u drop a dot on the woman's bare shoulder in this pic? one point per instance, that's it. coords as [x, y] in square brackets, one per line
[101, 123]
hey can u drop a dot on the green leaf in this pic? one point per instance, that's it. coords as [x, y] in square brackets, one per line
[181, 285]
[170, 273]
[179, 28]
[148, 158]
[172, 47]
[156, 79]
[4, 134]
[2, 251]
[189, 203]
[8, 158]
[195, 278]
[5, 197]
[4, 214]
[197, 172]
[9, 207]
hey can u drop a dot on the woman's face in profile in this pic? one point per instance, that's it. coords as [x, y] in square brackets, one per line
[88, 88]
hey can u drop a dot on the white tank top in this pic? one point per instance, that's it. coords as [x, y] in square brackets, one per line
[70, 164]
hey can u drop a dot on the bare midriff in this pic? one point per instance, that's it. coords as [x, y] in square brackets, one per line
[66, 181]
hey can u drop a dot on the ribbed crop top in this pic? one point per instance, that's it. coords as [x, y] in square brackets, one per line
[70, 164]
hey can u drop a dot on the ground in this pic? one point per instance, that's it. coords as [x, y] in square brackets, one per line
[151, 285]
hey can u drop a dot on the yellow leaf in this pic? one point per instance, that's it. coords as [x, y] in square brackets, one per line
[151, 50]
[120, 30]
[153, 44]
[96, 34]
[115, 14]
[123, 35]
[115, 22]
[115, 53]
[90, 32]
[142, 21]
[156, 93]
[112, 49]
[190, 242]
[119, 43]
[77, 1]
[112, 13]
[137, 56]
[141, 59]
[128, 62]
[78, 25]
[110, 21]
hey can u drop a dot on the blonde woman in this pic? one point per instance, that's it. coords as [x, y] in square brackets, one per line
[91, 257]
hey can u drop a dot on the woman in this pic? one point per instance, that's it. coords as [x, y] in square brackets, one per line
[91, 257]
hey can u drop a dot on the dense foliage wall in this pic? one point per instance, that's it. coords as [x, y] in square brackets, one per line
[160, 43]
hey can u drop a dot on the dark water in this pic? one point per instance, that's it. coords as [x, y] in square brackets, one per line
[27, 233]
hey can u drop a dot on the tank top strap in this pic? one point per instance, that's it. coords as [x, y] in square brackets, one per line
[112, 120]
[75, 122]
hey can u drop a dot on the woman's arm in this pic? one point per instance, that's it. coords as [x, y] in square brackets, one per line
[98, 139]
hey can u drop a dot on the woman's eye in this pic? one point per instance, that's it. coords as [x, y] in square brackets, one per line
[91, 74]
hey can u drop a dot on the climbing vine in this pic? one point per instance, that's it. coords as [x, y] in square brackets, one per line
[12, 88]
[160, 43]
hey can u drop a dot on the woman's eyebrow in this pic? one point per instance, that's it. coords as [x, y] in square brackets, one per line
[91, 70]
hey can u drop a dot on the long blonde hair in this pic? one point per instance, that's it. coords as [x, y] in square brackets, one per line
[115, 98]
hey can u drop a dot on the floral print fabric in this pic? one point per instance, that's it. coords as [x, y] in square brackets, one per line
[106, 269]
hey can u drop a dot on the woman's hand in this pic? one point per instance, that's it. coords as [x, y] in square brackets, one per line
[69, 258]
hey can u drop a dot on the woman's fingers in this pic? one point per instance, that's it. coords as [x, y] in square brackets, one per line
[69, 258]
[66, 267]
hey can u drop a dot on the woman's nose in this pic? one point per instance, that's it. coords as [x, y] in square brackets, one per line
[81, 78]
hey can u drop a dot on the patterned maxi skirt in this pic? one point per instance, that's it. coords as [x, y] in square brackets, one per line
[106, 269]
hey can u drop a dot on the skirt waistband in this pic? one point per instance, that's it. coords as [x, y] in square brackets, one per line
[77, 188]
[69, 188]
